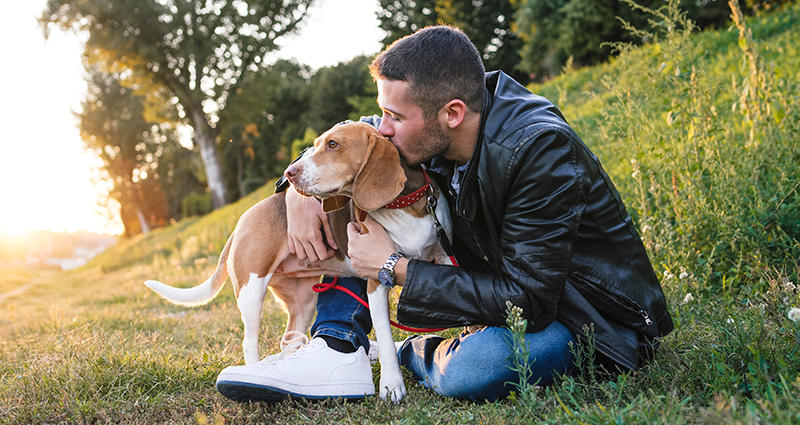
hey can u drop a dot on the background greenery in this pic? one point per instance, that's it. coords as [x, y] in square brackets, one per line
[182, 101]
[698, 130]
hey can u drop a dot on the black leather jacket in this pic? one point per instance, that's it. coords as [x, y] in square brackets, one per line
[538, 222]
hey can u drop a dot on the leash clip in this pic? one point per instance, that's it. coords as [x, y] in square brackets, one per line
[431, 207]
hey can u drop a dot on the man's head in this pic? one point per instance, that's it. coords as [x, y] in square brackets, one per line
[440, 63]
[429, 84]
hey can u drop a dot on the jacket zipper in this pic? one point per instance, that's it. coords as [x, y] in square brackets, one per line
[646, 317]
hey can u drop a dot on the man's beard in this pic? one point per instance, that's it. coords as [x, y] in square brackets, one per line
[433, 142]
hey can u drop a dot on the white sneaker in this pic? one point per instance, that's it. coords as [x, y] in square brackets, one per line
[315, 371]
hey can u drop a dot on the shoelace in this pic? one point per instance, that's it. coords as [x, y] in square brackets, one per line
[292, 341]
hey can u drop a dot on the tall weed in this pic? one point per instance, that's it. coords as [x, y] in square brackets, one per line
[712, 156]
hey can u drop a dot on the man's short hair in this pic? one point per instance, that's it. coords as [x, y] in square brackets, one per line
[440, 63]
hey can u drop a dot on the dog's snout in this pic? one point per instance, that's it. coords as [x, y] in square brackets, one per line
[290, 172]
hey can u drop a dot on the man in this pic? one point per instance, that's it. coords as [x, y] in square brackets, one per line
[536, 222]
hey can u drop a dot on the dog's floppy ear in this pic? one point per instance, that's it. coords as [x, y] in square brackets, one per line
[334, 203]
[381, 178]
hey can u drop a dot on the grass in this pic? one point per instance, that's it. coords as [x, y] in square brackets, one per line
[710, 189]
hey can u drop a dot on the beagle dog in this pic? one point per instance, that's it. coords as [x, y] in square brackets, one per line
[353, 161]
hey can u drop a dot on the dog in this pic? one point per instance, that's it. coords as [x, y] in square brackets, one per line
[352, 161]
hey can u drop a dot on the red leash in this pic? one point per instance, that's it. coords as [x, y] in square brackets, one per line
[322, 287]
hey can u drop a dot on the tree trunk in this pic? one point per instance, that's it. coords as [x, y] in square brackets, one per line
[142, 221]
[205, 139]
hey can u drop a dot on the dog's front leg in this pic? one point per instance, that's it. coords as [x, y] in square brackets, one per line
[391, 379]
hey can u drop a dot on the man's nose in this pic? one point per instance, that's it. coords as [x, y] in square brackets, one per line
[385, 128]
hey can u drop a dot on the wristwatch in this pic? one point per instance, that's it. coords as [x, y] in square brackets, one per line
[386, 274]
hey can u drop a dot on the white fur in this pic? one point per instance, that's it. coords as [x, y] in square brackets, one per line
[250, 302]
[391, 384]
[188, 297]
[415, 237]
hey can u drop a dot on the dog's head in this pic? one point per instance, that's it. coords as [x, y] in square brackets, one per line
[350, 160]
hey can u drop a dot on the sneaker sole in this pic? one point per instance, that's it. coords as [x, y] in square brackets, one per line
[244, 392]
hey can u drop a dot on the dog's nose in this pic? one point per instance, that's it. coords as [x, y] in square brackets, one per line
[290, 172]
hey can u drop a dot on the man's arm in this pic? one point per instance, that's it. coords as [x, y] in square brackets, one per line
[305, 220]
[543, 207]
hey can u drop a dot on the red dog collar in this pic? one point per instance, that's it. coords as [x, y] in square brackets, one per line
[411, 198]
[404, 201]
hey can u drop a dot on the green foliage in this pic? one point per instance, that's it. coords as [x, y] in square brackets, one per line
[333, 90]
[709, 165]
[196, 53]
[196, 204]
[137, 153]
[262, 121]
[299, 145]
[279, 105]
[488, 24]
[520, 352]
[553, 31]
[711, 188]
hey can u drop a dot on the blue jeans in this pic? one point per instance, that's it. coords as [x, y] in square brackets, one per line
[342, 317]
[477, 365]
[473, 366]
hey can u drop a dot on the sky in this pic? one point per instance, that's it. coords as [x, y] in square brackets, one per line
[45, 176]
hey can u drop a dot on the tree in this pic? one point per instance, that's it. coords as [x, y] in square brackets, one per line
[487, 23]
[262, 122]
[113, 127]
[332, 90]
[555, 30]
[200, 52]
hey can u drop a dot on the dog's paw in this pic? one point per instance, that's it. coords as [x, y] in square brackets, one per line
[393, 390]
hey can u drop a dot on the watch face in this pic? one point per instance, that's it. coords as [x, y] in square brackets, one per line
[385, 278]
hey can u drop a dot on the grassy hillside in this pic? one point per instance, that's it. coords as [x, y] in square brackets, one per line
[707, 168]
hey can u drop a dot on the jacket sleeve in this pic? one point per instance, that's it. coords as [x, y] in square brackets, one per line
[546, 181]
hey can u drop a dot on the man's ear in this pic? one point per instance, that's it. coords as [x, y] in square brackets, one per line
[334, 203]
[455, 111]
[381, 178]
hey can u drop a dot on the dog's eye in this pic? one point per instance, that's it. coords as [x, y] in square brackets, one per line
[332, 144]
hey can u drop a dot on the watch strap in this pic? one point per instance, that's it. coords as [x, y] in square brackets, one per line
[388, 269]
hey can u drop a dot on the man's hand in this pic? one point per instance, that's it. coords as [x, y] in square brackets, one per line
[369, 250]
[305, 224]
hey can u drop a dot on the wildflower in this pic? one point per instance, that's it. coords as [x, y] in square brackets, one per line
[683, 275]
[730, 321]
[688, 298]
[788, 284]
[794, 314]
[668, 275]
[635, 174]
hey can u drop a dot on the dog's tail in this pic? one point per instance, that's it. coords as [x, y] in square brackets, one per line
[201, 294]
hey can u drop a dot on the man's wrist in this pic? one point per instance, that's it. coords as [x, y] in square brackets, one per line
[386, 275]
[400, 270]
